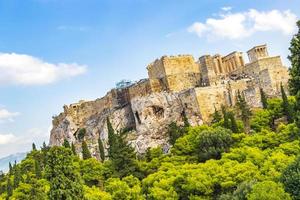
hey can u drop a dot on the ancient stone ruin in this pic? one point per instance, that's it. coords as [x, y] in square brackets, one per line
[176, 85]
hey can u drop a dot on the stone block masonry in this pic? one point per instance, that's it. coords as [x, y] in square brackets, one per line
[176, 86]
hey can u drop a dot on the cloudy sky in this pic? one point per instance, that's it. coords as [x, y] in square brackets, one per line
[55, 52]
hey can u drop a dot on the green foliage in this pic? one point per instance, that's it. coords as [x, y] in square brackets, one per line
[65, 182]
[261, 119]
[66, 143]
[233, 123]
[175, 132]
[91, 172]
[226, 123]
[33, 147]
[9, 188]
[294, 81]
[101, 149]
[85, 151]
[291, 179]
[287, 109]
[263, 99]
[217, 117]
[244, 110]
[81, 134]
[212, 143]
[73, 149]
[267, 190]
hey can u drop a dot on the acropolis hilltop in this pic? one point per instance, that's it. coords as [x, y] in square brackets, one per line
[176, 85]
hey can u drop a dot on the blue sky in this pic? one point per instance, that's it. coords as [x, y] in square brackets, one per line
[55, 52]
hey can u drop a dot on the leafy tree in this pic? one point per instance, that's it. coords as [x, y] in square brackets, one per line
[225, 117]
[291, 179]
[286, 106]
[85, 151]
[33, 147]
[174, 132]
[294, 57]
[11, 170]
[37, 169]
[263, 99]
[101, 149]
[65, 182]
[66, 143]
[17, 176]
[152, 153]
[91, 171]
[73, 149]
[211, 143]
[233, 123]
[121, 154]
[185, 120]
[9, 188]
[217, 117]
[244, 110]
[33, 190]
[267, 190]
[81, 134]
[297, 116]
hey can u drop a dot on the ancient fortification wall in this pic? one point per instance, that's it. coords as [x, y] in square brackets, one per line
[177, 86]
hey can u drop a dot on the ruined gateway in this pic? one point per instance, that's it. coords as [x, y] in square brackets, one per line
[176, 85]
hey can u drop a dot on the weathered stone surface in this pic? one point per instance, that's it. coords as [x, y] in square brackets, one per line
[177, 85]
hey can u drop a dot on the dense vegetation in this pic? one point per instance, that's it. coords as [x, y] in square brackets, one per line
[244, 154]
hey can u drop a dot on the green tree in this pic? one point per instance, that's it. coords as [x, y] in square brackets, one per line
[217, 117]
[33, 147]
[66, 143]
[9, 188]
[233, 123]
[263, 99]
[294, 57]
[17, 176]
[225, 117]
[101, 149]
[291, 179]
[212, 143]
[65, 182]
[86, 154]
[267, 190]
[122, 155]
[287, 109]
[37, 169]
[174, 132]
[81, 134]
[111, 138]
[73, 149]
[185, 120]
[11, 170]
[245, 112]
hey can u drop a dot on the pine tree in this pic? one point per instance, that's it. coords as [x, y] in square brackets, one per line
[225, 117]
[73, 149]
[33, 147]
[217, 117]
[263, 99]
[17, 176]
[64, 179]
[11, 170]
[101, 149]
[185, 120]
[286, 106]
[233, 123]
[66, 143]
[245, 112]
[9, 188]
[294, 57]
[85, 151]
[294, 81]
[111, 138]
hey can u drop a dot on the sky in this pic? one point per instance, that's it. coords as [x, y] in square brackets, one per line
[56, 52]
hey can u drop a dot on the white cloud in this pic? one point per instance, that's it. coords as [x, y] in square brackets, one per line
[244, 24]
[7, 115]
[227, 8]
[12, 143]
[6, 138]
[23, 69]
